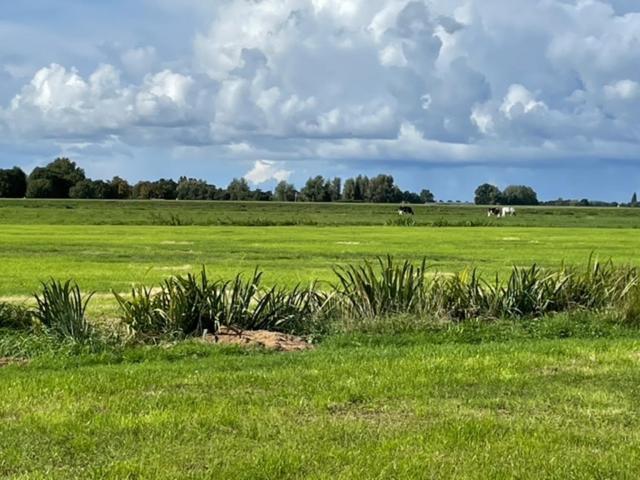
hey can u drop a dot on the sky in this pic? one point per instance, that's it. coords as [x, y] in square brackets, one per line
[442, 94]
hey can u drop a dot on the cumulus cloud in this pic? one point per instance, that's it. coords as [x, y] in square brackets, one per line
[265, 170]
[418, 80]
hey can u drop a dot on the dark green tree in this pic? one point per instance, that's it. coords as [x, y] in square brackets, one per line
[382, 190]
[335, 189]
[411, 197]
[634, 200]
[427, 197]
[120, 188]
[193, 189]
[487, 194]
[62, 174]
[84, 189]
[316, 190]
[239, 189]
[40, 188]
[142, 191]
[285, 192]
[13, 183]
[519, 195]
[362, 188]
[349, 190]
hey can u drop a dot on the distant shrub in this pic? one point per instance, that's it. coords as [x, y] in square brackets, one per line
[408, 221]
[171, 220]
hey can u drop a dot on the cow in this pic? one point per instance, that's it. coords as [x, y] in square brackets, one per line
[507, 212]
[405, 211]
[501, 212]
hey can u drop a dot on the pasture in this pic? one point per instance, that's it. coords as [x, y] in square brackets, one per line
[103, 258]
[550, 397]
[384, 407]
[111, 245]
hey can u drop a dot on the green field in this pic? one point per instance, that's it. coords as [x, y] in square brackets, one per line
[536, 398]
[101, 212]
[113, 257]
[111, 245]
[407, 408]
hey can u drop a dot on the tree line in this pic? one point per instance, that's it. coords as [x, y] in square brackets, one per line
[62, 178]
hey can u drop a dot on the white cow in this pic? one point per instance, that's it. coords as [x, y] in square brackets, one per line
[507, 212]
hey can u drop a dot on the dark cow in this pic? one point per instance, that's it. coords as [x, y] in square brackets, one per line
[494, 212]
[405, 211]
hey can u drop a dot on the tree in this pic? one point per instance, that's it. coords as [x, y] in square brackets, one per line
[285, 192]
[487, 194]
[362, 188]
[519, 195]
[13, 183]
[164, 189]
[62, 174]
[193, 189]
[40, 188]
[411, 197]
[261, 196]
[84, 189]
[349, 190]
[427, 197]
[634, 200]
[335, 189]
[382, 190]
[142, 191]
[316, 190]
[120, 188]
[239, 189]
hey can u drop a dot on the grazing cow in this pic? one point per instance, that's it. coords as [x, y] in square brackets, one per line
[405, 211]
[494, 212]
[507, 212]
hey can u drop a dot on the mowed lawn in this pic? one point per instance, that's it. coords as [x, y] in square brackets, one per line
[109, 257]
[397, 409]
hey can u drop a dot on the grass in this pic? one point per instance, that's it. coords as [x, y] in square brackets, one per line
[403, 406]
[185, 213]
[402, 397]
[102, 258]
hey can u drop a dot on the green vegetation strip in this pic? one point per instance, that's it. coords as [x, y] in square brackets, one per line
[184, 213]
[102, 258]
[357, 407]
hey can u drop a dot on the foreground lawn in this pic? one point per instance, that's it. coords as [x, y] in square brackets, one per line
[357, 408]
[102, 258]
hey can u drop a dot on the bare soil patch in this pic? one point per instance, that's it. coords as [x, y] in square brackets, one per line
[280, 342]
[6, 361]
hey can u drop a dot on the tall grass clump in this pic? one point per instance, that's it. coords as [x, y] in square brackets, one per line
[189, 305]
[384, 288]
[61, 308]
[381, 288]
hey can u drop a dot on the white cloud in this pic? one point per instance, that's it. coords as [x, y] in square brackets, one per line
[344, 79]
[623, 90]
[265, 170]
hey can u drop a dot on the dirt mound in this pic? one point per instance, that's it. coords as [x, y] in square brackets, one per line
[6, 361]
[260, 338]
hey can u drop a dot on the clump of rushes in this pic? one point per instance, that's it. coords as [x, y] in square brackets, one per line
[383, 287]
[377, 289]
[189, 305]
[371, 291]
[61, 308]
